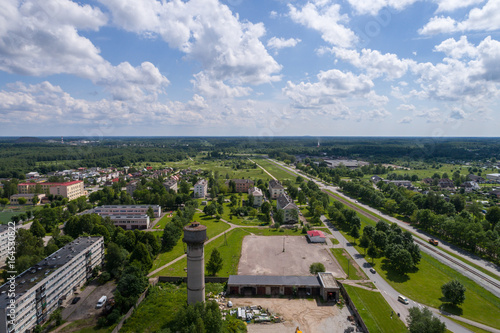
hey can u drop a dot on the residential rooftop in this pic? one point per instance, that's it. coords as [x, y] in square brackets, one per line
[30, 277]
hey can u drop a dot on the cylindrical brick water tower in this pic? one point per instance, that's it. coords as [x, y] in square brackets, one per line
[195, 236]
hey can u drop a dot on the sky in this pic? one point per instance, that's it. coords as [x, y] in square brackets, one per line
[249, 68]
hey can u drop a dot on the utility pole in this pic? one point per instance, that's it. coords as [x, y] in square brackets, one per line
[283, 244]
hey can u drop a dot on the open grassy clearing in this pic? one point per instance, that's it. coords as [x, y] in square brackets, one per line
[163, 221]
[375, 310]
[274, 170]
[9, 211]
[160, 307]
[166, 257]
[214, 227]
[229, 248]
[345, 260]
[85, 326]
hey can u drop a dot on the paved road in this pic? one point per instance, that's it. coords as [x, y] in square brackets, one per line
[463, 268]
[389, 293]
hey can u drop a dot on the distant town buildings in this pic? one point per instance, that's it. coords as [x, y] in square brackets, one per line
[258, 197]
[493, 176]
[201, 188]
[70, 190]
[350, 164]
[128, 216]
[275, 189]
[42, 288]
[130, 222]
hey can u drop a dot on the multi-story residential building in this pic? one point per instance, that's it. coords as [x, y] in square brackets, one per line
[201, 188]
[132, 186]
[108, 210]
[4, 242]
[493, 176]
[129, 222]
[14, 199]
[258, 197]
[70, 190]
[241, 185]
[171, 184]
[275, 189]
[290, 210]
[42, 288]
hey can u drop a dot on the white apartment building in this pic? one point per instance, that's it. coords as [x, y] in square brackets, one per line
[107, 210]
[257, 196]
[201, 188]
[129, 222]
[275, 189]
[42, 288]
[4, 235]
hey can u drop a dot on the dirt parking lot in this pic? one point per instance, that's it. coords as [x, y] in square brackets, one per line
[263, 255]
[308, 315]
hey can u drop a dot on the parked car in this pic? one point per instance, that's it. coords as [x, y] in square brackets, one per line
[101, 302]
[75, 300]
[373, 270]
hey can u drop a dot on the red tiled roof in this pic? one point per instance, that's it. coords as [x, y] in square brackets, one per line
[314, 233]
[46, 183]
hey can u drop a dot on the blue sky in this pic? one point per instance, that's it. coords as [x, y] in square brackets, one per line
[250, 67]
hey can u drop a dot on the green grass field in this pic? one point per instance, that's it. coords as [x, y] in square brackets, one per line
[214, 227]
[375, 310]
[345, 261]
[230, 254]
[9, 211]
[166, 257]
[274, 170]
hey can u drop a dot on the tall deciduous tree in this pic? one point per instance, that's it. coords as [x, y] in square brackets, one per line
[454, 292]
[423, 321]
[171, 235]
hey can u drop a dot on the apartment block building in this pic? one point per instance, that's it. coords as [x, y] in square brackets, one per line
[171, 184]
[130, 222]
[241, 185]
[290, 210]
[4, 235]
[275, 189]
[42, 288]
[70, 190]
[258, 197]
[201, 188]
[129, 210]
[132, 186]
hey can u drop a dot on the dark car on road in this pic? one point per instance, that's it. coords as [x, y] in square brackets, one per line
[373, 270]
[75, 300]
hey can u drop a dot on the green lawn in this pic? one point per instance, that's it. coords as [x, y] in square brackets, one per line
[424, 286]
[163, 221]
[166, 257]
[345, 260]
[274, 170]
[375, 310]
[9, 211]
[324, 229]
[230, 251]
[214, 227]
[85, 326]
[469, 327]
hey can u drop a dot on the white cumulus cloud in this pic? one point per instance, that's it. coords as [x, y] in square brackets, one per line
[280, 43]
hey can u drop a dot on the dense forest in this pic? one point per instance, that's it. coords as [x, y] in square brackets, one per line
[20, 157]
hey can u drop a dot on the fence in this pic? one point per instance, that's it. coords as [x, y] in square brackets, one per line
[349, 303]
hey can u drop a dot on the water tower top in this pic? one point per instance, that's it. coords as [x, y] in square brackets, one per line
[195, 233]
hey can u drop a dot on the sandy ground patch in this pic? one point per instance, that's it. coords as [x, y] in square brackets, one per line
[308, 315]
[263, 255]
